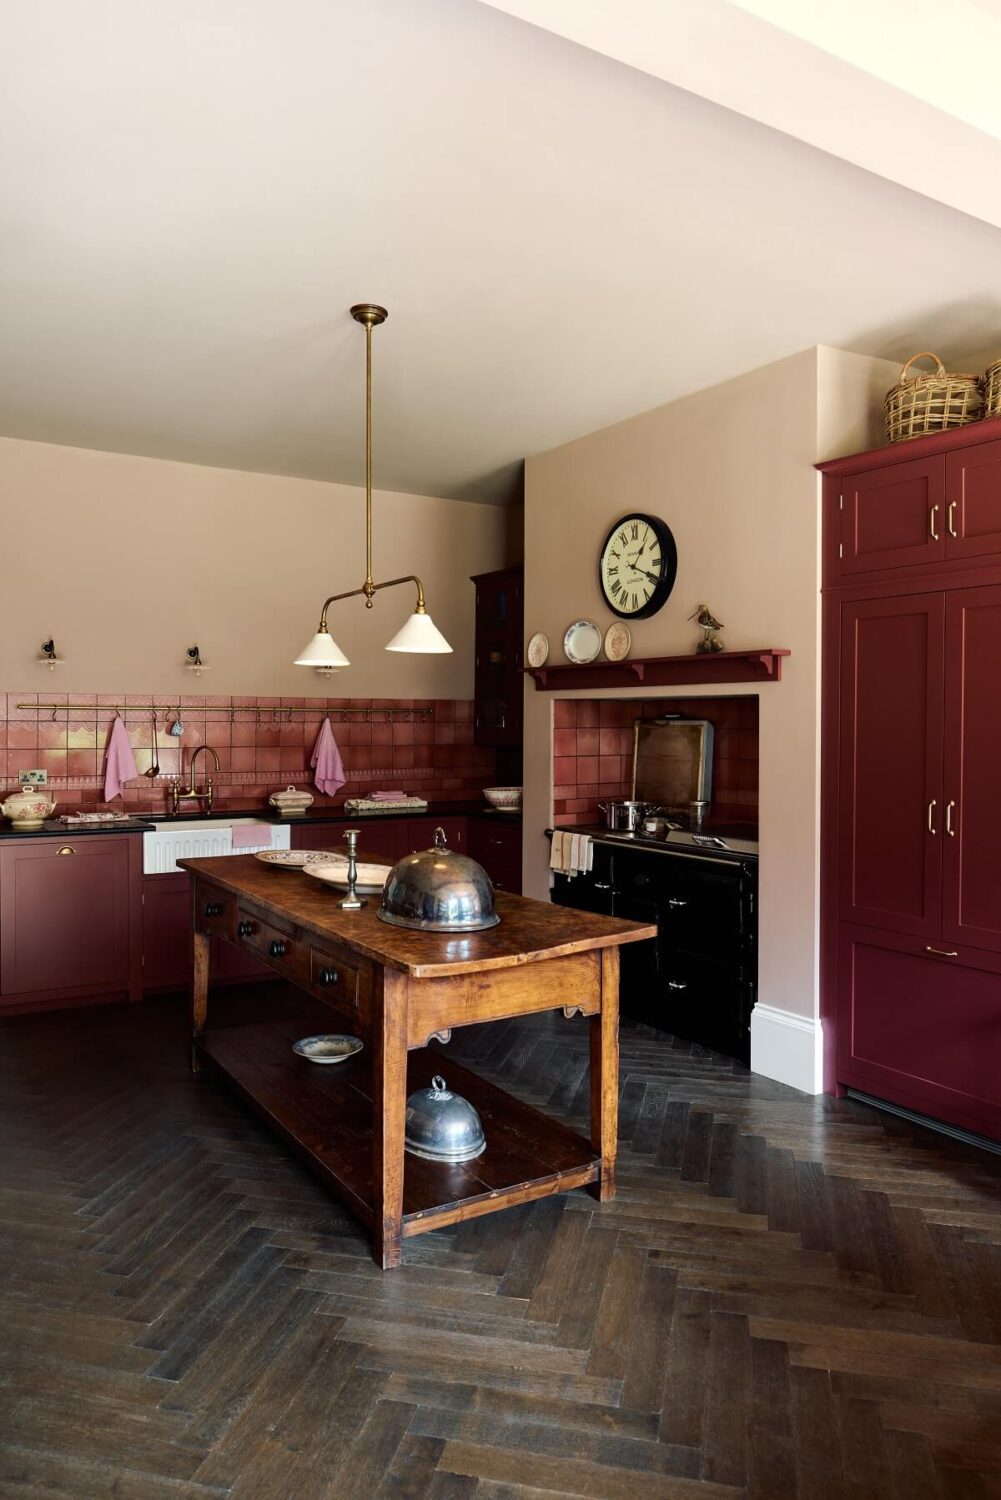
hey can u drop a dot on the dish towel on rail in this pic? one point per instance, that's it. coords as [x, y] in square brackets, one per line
[326, 760]
[572, 853]
[119, 762]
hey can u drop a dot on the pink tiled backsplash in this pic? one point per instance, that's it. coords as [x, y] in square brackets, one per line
[593, 752]
[262, 748]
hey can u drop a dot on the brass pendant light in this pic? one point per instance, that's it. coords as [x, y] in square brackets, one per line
[418, 634]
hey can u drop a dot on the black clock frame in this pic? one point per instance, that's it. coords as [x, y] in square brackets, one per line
[668, 566]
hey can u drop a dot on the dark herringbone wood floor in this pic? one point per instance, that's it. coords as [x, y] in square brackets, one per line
[789, 1297]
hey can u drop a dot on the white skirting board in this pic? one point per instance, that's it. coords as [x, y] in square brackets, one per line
[788, 1048]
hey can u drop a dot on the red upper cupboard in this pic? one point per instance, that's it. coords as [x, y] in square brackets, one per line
[973, 501]
[893, 517]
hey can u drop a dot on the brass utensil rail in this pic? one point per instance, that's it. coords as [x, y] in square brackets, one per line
[262, 715]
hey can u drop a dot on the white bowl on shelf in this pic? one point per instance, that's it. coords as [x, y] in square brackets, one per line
[504, 798]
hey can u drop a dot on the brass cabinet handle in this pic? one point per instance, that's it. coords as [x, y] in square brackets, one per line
[950, 518]
[942, 952]
[948, 820]
[67, 849]
[931, 523]
[931, 815]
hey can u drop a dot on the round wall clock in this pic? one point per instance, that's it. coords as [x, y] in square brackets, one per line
[637, 566]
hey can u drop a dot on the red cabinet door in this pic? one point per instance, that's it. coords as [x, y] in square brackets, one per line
[971, 901]
[65, 912]
[920, 1029]
[893, 517]
[973, 501]
[382, 838]
[890, 810]
[166, 931]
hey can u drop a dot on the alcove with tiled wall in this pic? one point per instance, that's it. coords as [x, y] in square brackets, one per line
[593, 752]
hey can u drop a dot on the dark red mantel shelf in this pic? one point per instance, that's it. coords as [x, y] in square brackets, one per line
[664, 671]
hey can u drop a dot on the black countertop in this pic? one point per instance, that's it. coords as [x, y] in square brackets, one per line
[53, 829]
[143, 821]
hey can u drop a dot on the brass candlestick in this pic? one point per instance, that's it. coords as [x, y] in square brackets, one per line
[352, 901]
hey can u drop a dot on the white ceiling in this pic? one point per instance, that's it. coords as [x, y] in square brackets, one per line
[191, 196]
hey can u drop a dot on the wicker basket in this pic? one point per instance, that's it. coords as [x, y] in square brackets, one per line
[930, 403]
[992, 390]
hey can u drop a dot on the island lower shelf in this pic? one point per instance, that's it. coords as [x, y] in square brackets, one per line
[325, 1113]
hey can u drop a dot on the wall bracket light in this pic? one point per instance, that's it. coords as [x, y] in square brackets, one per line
[193, 661]
[419, 634]
[47, 656]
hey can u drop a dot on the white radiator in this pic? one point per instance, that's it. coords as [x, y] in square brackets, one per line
[189, 840]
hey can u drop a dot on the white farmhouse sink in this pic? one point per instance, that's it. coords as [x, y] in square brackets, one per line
[199, 838]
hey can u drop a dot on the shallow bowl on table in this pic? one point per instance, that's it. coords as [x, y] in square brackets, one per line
[334, 871]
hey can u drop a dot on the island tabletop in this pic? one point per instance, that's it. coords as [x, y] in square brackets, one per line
[398, 990]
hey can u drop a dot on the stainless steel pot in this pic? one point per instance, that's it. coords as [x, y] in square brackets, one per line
[438, 890]
[624, 817]
[442, 1126]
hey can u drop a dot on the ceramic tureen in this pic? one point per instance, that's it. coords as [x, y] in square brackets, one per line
[291, 802]
[27, 808]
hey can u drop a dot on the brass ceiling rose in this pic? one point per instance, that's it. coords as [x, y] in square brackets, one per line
[369, 313]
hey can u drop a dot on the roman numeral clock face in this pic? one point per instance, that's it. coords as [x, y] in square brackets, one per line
[637, 566]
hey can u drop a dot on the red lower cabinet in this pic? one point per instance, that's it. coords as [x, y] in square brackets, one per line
[166, 931]
[922, 1028]
[69, 923]
[166, 939]
[382, 840]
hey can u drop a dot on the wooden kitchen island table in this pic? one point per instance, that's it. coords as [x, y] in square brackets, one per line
[398, 989]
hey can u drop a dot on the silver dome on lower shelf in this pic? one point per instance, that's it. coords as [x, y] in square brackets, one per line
[442, 1126]
[438, 890]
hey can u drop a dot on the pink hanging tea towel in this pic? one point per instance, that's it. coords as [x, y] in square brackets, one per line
[119, 762]
[326, 759]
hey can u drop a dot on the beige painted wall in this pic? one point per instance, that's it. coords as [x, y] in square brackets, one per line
[128, 561]
[731, 470]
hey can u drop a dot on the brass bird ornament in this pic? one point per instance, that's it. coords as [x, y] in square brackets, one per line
[709, 642]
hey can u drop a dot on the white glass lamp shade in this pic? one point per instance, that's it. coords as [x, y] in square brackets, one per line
[420, 635]
[322, 651]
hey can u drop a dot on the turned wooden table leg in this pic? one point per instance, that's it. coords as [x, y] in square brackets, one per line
[389, 1103]
[604, 1037]
[199, 990]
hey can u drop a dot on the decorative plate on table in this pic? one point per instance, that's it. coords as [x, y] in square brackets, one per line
[326, 1048]
[618, 639]
[334, 871]
[292, 859]
[582, 642]
[537, 652]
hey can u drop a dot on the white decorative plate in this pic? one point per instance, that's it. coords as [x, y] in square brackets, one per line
[618, 639]
[582, 642]
[538, 650]
[292, 859]
[371, 878]
[327, 1049]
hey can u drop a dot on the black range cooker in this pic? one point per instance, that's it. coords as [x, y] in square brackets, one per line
[698, 978]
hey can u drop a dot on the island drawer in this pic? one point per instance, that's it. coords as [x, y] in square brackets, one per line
[338, 976]
[260, 937]
[215, 910]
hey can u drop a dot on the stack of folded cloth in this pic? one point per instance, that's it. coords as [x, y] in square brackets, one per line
[395, 801]
[572, 853]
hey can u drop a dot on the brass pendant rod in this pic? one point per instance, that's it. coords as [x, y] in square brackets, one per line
[369, 588]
